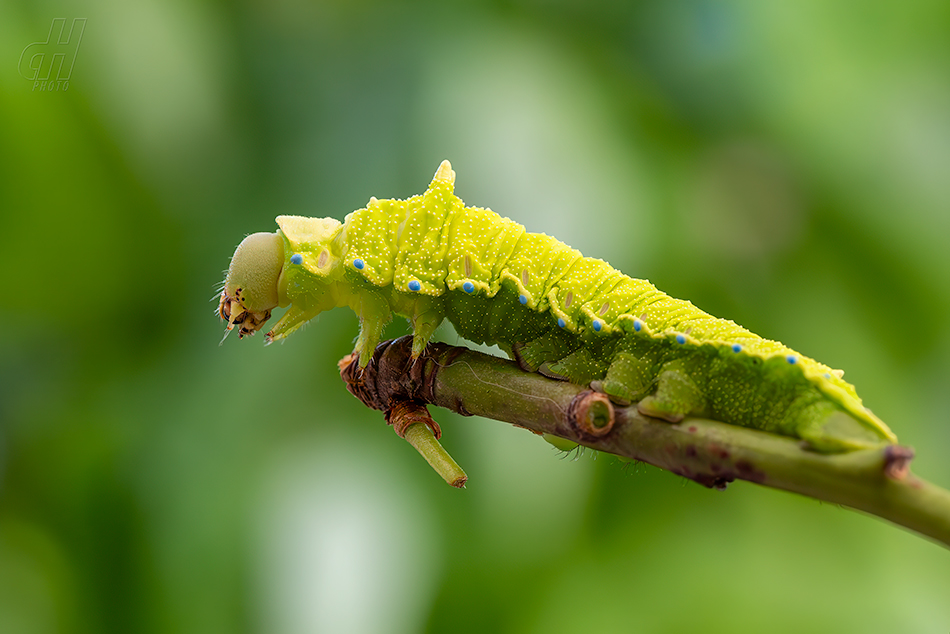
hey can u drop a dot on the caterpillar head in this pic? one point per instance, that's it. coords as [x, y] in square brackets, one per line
[250, 289]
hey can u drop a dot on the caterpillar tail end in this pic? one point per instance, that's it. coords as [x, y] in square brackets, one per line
[841, 432]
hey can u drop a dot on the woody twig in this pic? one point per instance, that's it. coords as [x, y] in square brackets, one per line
[877, 481]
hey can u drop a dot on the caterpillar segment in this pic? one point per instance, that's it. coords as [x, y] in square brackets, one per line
[570, 317]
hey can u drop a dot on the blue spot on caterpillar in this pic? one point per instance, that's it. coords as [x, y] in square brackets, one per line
[439, 249]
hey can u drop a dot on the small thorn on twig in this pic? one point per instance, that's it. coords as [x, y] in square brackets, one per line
[897, 461]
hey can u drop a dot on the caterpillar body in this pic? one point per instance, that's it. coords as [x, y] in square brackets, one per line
[555, 311]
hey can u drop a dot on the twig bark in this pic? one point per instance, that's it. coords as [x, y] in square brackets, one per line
[410, 420]
[709, 452]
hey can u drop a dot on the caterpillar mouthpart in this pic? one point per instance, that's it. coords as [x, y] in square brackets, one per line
[233, 311]
[250, 289]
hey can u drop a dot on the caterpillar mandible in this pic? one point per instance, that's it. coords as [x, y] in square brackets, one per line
[554, 311]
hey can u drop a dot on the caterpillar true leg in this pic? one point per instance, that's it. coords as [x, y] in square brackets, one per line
[294, 318]
[374, 314]
[428, 316]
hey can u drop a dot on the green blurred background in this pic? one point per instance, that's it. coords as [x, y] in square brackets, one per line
[783, 164]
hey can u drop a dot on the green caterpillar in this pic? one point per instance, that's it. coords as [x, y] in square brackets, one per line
[555, 311]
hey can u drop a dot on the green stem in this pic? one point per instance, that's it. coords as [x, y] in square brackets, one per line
[421, 437]
[710, 452]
